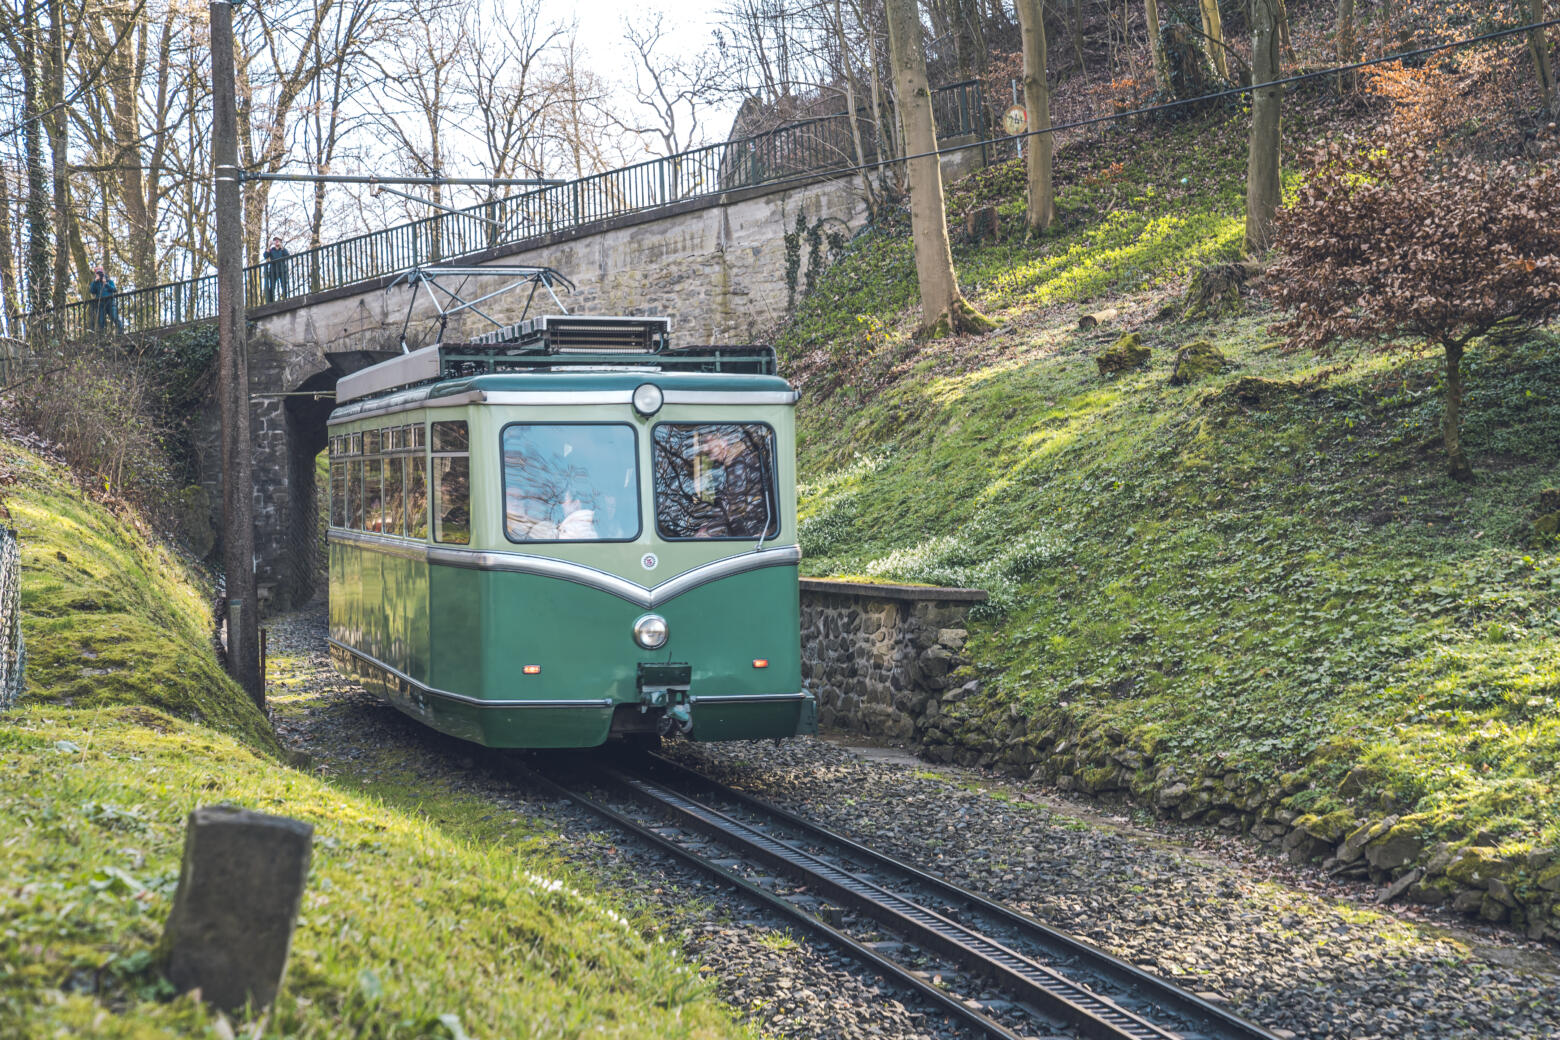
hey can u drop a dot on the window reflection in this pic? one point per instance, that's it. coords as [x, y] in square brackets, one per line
[715, 480]
[570, 482]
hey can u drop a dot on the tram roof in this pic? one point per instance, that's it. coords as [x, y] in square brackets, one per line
[577, 387]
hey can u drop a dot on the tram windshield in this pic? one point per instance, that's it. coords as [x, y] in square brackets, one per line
[570, 482]
[715, 480]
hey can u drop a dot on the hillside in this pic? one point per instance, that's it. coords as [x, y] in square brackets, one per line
[128, 723]
[1255, 599]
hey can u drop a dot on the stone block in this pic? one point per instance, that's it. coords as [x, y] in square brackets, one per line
[236, 905]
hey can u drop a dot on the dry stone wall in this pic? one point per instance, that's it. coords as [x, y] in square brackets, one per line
[881, 658]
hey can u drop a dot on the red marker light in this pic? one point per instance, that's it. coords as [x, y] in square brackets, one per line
[532, 669]
[759, 662]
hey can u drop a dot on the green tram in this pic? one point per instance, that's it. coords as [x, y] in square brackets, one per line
[568, 532]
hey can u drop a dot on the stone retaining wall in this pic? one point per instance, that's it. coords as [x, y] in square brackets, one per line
[879, 657]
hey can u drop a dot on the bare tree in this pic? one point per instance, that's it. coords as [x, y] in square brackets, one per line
[1156, 47]
[1262, 160]
[671, 92]
[1538, 44]
[1213, 29]
[420, 83]
[944, 309]
[1037, 101]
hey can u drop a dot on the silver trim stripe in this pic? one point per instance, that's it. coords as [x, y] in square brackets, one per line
[384, 543]
[461, 698]
[579, 573]
[572, 397]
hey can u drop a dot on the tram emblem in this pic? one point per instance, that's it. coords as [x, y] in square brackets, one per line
[648, 561]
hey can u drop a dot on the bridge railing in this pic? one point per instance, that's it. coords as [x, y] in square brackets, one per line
[814, 146]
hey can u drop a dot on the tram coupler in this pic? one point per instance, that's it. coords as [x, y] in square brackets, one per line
[664, 685]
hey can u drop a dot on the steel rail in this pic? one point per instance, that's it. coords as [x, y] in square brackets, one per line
[1211, 1018]
[968, 1017]
[1034, 984]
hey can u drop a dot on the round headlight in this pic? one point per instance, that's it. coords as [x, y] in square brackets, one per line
[648, 399]
[650, 631]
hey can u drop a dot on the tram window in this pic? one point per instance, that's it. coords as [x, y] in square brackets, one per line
[371, 442]
[373, 495]
[355, 494]
[417, 436]
[338, 493]
[416, 496]
[715, 480]
[395, 504]
[450, 436]
[452, 499]
[570, 482]
[357, 444]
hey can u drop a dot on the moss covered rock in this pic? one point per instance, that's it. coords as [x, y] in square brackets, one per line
[1197, 361]
[1125, 354]
[1474, 866]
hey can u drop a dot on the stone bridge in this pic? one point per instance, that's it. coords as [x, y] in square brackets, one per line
[715, 265]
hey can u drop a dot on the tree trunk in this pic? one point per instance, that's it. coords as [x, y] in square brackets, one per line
[1348, 45]
[943, 309]
[39, 253]
[1077, 35]
[1037, 102]
[58, 151]
[1456, 462]
[10, 294]
[850, 112]
[1213, 29]
[1262, 186]
[1538, 43]
[1156, 47]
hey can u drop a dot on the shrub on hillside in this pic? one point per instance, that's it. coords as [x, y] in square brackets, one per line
[102, 405]
[1396, 246]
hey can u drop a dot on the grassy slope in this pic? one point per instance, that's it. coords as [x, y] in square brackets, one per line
[423, 917]
[1258, 588]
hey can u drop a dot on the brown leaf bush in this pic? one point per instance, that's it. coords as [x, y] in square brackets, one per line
[1395, 246]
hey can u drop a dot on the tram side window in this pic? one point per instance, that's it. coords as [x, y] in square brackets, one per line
[715, 480]
[395, 503]
[417, 494]
[373, 495]
[338, 493]
[355, 494]
[451, 483]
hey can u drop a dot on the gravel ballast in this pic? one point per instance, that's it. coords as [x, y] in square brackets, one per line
[1301, 956]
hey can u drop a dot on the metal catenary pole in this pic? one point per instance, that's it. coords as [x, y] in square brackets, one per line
[238, 530]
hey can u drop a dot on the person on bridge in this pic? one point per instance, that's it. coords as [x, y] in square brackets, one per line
[104, 308]
[275, 270]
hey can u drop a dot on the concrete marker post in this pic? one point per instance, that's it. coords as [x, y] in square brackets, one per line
[233, 916]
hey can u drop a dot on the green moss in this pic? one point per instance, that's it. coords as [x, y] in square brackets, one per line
[1196, 362]
[1269, 566]
[111, 616]
[1127, 353]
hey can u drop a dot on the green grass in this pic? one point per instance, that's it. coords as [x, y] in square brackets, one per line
[428, 913]
[1288, 586]
[114, 617]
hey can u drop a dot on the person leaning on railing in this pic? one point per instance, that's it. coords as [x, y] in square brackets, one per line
[275, 270]
[104, 307]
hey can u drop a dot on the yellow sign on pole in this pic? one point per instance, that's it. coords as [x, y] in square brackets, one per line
[1015, 120]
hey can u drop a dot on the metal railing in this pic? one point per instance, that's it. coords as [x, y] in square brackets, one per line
[812, 147]
[13, 652]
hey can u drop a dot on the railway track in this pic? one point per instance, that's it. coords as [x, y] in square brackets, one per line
[994, 971]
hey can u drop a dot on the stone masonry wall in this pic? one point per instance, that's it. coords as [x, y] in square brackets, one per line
[715, 266]
[879, 657]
